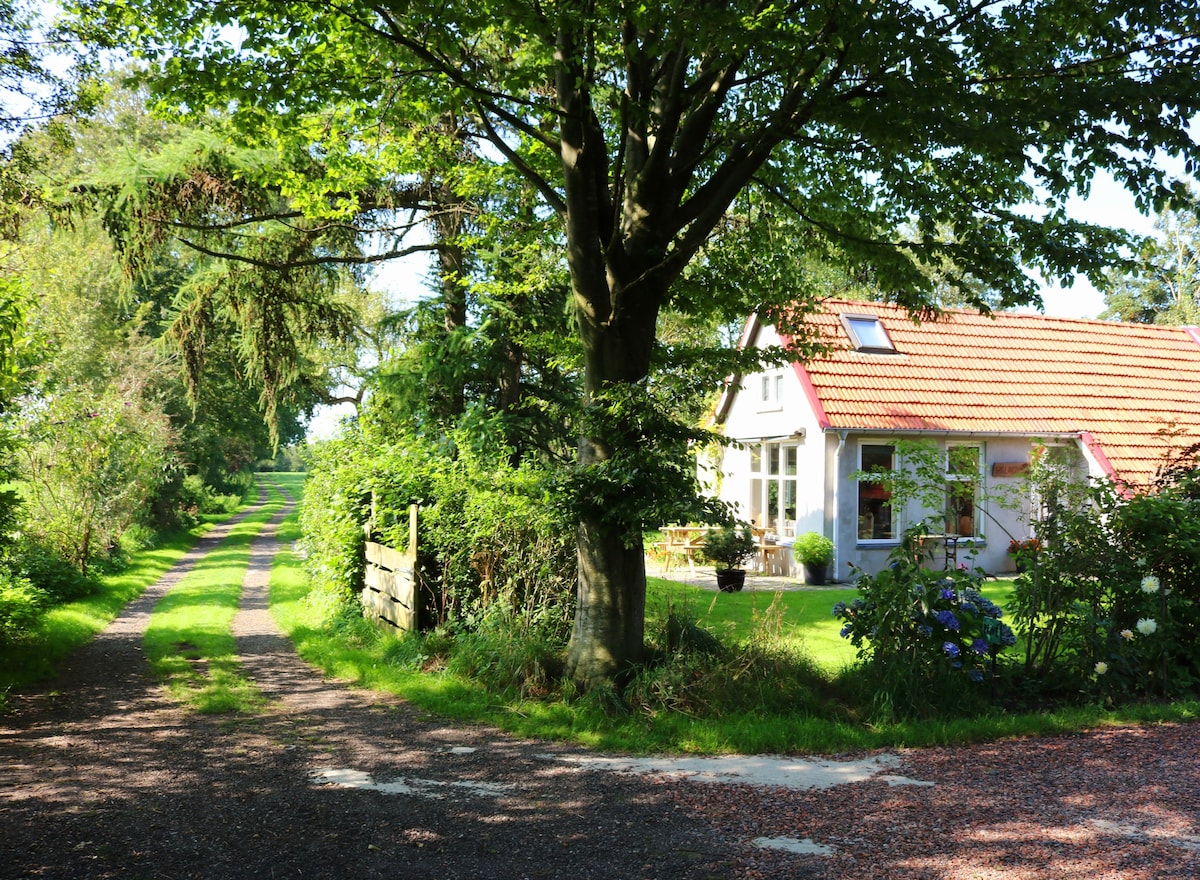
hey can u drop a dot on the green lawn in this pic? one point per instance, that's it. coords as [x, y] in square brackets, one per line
[804, 616]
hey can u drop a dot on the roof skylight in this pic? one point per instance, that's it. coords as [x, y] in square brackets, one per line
[868, 334]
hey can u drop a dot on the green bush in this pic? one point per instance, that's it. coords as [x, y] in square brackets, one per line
[924, 637]
[487, 534]
[1109, 607]
[333, 519]
[49, 572]
[21, 607]
[813, 549]
[729, 548]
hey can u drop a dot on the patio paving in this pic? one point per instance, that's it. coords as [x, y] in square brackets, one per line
[705, 577]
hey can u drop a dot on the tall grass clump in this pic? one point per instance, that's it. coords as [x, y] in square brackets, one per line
[701, 673]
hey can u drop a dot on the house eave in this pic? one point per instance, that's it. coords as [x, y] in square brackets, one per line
[950, 432]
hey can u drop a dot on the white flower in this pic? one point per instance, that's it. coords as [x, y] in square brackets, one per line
[1127, 634]
[1101, 668]
[1150, 584]
[1147, 625]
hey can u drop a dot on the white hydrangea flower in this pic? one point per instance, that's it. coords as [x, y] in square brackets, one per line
[1147, 625]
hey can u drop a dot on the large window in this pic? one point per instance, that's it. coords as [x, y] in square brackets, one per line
[876, 521]
[963, 479]
[775, 486]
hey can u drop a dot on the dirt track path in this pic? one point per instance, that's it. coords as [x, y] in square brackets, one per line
[102, 776]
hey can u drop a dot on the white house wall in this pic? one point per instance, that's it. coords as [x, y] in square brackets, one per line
[1000, 520]
[787, 418]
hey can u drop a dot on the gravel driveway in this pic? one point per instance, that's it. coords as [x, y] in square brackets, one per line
[102, 776]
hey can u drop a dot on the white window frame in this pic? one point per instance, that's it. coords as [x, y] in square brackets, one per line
[773, 470]
[868, 334]
[977, 517]
[771, 392]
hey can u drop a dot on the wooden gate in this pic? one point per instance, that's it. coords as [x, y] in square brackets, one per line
[390, 583]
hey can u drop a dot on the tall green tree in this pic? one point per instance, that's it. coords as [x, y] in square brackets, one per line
[1163, 284]
[95, 439]
[641, 126]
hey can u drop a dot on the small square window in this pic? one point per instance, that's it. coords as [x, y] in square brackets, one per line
[867, 333]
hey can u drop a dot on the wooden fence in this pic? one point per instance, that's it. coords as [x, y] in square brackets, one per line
[390, 585]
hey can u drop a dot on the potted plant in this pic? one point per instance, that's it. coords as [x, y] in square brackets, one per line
[1024, 551]
[728, 549]
[814, 552]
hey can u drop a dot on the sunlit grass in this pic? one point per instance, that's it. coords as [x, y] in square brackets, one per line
[292, 483]
[806, 618]
[189, 641]
[65, 628]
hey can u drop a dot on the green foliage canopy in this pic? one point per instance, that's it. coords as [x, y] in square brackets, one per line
[947, 134]
[1163, 284]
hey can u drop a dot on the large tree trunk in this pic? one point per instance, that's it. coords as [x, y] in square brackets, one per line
[617, 238]
[608, 633]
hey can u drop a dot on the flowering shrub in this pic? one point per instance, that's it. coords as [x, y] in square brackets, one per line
[1024, 545]
[913, 625]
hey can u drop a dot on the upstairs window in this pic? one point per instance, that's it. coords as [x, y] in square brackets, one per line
[868, 334]
[772, 392]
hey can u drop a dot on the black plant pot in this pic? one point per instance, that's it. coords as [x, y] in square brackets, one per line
[814, 574]
[731, 580]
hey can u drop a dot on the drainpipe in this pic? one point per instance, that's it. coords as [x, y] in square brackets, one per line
[837, 494]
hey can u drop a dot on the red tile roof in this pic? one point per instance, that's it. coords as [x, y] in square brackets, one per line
[1116, 385]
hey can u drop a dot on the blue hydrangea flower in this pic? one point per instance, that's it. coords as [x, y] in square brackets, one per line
[947, 593]
[985, 605]
[980, 646]
[845, 631]
[948, 620]
[975, 675]
[925, 629]
[951, 649]
[839, 609]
